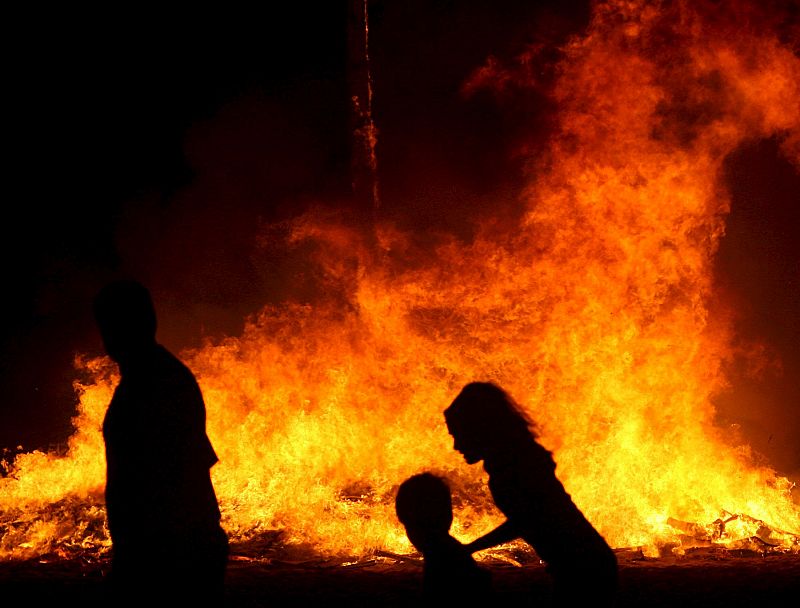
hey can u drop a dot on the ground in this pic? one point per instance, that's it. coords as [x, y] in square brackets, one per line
[708, 579]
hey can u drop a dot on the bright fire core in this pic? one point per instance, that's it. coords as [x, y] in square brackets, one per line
[594, 312]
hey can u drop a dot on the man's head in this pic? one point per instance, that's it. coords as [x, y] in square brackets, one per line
[126, 318]
[424, 507]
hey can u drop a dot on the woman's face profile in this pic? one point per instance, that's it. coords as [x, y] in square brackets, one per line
[465, 444]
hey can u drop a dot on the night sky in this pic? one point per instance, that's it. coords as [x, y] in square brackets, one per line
[149, 147]
[156, 144]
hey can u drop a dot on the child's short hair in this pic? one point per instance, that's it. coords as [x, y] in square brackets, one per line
[423, 500]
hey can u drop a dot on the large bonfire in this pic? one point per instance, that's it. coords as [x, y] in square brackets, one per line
[593, 312]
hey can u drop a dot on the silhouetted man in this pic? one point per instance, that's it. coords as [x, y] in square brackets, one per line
[168, 546]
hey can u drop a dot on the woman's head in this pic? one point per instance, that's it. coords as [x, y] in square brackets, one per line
[484, 419]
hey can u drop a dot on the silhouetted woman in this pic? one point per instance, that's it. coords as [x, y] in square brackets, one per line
[487, 425]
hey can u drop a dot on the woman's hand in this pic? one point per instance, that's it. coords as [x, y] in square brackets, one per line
[504, 533]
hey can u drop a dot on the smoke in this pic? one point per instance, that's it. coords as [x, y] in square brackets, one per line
[255, 162]
[758, 274]
[212, 249]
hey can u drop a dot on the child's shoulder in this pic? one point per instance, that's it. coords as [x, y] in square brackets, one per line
[454, 573]
[451, 560]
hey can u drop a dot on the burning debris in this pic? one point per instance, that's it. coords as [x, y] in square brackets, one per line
[734, 532]
[71, 528]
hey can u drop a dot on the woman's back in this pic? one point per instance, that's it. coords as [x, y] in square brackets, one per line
[525, 488]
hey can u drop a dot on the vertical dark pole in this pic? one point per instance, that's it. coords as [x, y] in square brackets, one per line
[364, 164]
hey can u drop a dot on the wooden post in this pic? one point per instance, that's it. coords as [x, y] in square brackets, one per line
[364, 165]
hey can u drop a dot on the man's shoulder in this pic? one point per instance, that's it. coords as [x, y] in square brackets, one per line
[171, 370]
[169, 362]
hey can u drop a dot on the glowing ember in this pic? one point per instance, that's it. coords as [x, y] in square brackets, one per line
[593, 313]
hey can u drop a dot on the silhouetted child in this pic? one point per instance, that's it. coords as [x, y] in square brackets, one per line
[450, 574]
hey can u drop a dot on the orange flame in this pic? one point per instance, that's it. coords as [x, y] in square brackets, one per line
[593, 312]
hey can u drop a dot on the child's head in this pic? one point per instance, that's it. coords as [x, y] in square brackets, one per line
[424, 507]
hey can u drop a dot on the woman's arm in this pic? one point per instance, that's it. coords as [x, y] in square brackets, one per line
[504, 533]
